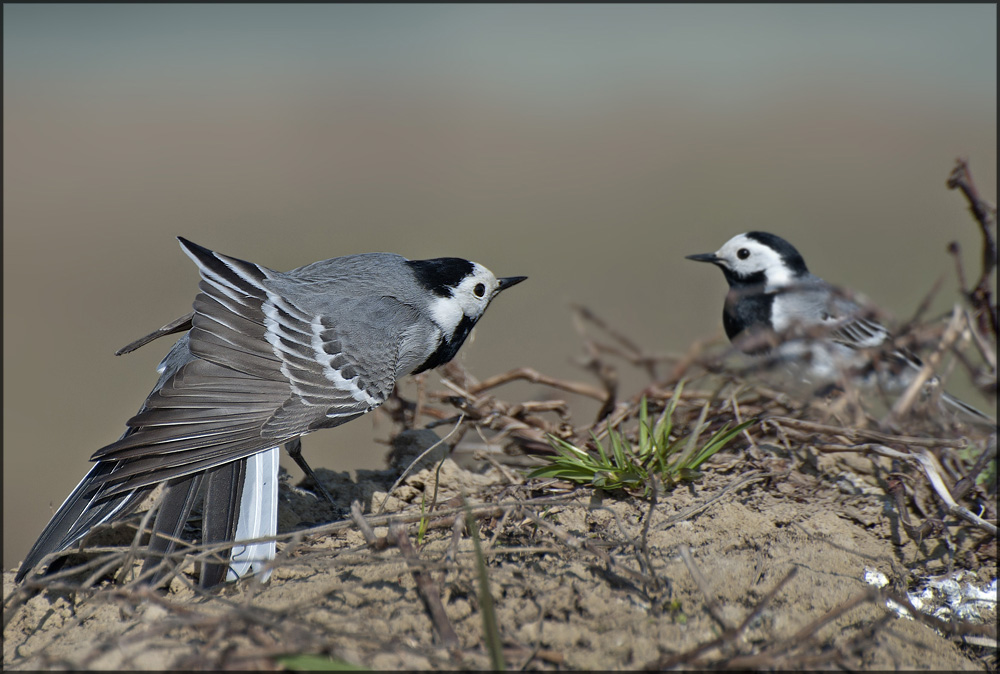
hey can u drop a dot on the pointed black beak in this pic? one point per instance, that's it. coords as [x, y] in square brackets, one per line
[508, 281]
[703, 257]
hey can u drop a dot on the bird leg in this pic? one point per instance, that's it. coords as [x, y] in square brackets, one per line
[294, 449]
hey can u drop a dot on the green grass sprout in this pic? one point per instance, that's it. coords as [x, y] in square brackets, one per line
[657, 454]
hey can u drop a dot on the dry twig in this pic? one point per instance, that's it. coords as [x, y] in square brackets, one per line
[986, 216]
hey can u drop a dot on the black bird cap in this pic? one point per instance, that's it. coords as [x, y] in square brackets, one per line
[791, 256]
[441, 274]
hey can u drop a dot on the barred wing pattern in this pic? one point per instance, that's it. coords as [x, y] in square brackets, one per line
[264, 372]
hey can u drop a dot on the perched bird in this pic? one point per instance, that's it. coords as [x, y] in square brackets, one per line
[775, 306]
[266, 358]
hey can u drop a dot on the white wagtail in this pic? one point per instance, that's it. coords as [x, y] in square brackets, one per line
[267, 357]
[819, 333]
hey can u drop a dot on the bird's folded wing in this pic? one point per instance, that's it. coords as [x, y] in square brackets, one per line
[848, 321]
[859, 333]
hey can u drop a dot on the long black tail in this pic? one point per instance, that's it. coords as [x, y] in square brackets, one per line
[220, 515]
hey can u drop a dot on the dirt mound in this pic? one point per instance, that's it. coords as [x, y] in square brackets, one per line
[766, 561]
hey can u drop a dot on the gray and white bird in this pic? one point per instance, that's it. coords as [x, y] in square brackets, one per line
[775, 306]
[266, 358]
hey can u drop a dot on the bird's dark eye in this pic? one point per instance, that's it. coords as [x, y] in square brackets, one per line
[479, 290]
[743, 253]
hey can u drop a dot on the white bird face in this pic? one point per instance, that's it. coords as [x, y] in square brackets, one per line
[757, 258]
[746, 257]
[469, 298]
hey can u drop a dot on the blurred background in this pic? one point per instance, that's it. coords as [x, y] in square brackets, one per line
[590, 147]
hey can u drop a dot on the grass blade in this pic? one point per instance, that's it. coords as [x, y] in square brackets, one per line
[491, 631]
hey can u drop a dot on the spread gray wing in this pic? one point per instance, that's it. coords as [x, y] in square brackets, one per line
[261, 370]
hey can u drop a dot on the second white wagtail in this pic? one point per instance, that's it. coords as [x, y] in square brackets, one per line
[267, 357]
[772, 295]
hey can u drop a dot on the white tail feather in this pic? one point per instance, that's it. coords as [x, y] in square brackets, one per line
[258, 517]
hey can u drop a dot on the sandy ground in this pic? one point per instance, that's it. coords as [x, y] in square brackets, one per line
[762, 563]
